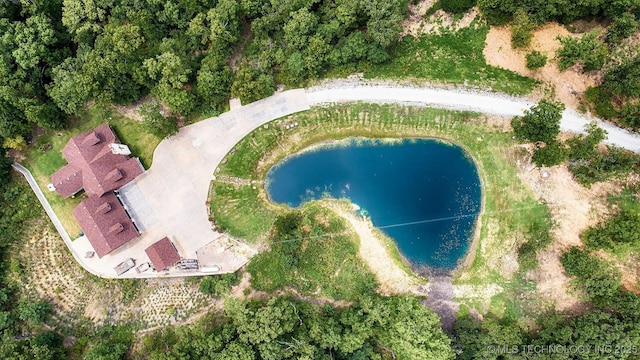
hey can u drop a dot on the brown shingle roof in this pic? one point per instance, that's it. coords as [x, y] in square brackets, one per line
[67, 180]
[105, 223]
[162, 254]
[100, 169]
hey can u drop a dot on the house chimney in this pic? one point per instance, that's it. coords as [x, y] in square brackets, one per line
[114, 175]
[104, 208]
[116, 228]
[91, 139]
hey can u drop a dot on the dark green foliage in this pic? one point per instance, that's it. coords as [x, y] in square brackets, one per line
[622, 80]
[111, 343]
[5, 168]
[156, 123]
[536, 60]
[282, 328]
[623, 27]
[476, 340]
[34, 312]
[623, 228]
[251, 84]
[587, 51]
[457, 6]
[589, 164]
[521, 30]
[585, 146]
[540, 123]
[614, 162]
[218, 285]
[553, 153]
[33, 41]
[596, 327]
[630, 115]
[565, 11]
[601, 101]
[598, 278]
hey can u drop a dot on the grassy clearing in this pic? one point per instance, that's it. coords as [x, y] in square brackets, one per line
[241, 211]
[321, 259]
[453, 57]
[510, 208]
[42, 162]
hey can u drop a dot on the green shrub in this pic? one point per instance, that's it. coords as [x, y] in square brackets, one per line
[540, 123]
[600, 100]
[251, 84]
[623, 27]
[597, 277]
[521, 30]
[34, 312]
[614, 162]
[622, 228]
[622, 80]
[630, 115]
[585, 146]
[553, 153]
[587, 51]
[156, 123]
[218, 285]
[536, 60]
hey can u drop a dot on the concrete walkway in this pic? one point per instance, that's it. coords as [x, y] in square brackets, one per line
[170, 198]
[52, 215]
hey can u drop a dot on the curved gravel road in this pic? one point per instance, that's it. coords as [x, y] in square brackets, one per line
[488, 103]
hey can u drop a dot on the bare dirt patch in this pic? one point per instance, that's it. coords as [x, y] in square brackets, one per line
[416, 23]
[573, 209]
[132, 111]
[568, 85]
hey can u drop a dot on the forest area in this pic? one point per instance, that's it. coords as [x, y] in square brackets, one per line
[57, 57]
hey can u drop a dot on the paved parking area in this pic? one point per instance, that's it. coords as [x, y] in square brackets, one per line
[169, 199]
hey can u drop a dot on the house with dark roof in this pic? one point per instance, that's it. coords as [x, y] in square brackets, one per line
[97, 163]
[105, 223]
[162, 254]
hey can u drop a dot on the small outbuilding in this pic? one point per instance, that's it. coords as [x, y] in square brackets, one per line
[162, 254]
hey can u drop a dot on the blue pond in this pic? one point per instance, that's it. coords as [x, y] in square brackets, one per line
[425, 194]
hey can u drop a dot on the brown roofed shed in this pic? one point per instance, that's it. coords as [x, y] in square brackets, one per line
[162, 254]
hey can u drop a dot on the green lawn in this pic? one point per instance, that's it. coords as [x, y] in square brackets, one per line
[241, 211]
[453, 57]
[44, 163]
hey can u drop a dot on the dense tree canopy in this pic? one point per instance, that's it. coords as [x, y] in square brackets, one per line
[282, 328]
[501, 11]
[54, 57]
